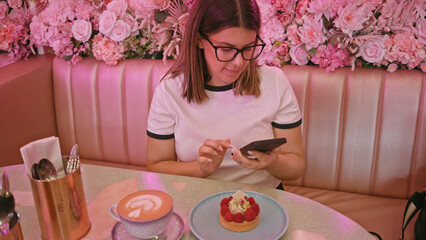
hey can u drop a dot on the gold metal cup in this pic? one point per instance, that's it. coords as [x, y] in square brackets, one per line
[15, 233]
[61, 207]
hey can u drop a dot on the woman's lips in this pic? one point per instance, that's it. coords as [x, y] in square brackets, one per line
[233, 72]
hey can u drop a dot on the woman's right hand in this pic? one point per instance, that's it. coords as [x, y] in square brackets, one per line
[211, 155]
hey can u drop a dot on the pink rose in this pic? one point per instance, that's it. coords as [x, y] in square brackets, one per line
[18, 15]
[106, 22]
[15, 3]
[118, 7]
[299, 55]
[4, 9]
[81, 30]
[373, 51]
[120, 31]
[131, 22]
[421, 31]
[312, 33]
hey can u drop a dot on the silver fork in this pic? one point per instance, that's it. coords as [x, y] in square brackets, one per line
[74, 160]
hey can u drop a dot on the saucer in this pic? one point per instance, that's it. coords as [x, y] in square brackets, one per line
[173, 231]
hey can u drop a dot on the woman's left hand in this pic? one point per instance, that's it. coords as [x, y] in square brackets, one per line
[260, 160]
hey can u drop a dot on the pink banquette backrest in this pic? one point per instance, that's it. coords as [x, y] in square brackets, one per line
[104, 108]
[364, 130]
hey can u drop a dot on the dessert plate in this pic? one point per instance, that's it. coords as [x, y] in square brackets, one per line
[173, 231]
[204, 219]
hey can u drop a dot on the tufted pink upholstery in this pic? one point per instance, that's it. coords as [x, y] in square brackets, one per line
[104, 109]
[364, 130]
[365, 141]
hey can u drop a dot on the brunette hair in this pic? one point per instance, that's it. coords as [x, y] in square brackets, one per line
[209, 17]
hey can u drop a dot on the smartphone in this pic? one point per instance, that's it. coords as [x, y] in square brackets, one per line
[262, 146]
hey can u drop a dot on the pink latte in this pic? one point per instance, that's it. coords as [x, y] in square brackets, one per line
[145, 205]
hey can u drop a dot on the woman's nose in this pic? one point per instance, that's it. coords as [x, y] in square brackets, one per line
[238, 60]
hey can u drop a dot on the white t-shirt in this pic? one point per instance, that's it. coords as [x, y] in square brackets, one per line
[224, 115]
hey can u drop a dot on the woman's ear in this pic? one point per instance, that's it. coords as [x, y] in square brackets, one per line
[198, 40]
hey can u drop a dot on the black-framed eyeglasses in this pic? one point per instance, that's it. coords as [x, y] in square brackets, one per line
[227, 54]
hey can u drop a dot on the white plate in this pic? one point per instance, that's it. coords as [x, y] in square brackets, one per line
[204, 219]
[173, 231]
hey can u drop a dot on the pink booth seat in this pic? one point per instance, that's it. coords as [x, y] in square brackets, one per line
[365, 141]
[26, 106]
[364, 130]
[4, 60]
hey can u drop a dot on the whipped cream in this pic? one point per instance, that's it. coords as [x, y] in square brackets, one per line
[238, 204]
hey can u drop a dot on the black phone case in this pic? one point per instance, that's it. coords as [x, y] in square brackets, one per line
[263, 145]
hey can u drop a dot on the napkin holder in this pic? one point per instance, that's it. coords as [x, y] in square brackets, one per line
[15, 233]
[61, 207]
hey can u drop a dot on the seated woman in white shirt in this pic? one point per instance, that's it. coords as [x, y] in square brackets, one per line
[215, 99]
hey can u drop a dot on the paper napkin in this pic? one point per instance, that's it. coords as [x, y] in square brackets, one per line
[48, 148]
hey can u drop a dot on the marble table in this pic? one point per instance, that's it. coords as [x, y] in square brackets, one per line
[104, 186]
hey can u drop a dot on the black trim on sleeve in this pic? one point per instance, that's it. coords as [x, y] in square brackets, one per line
[158, 136]
[287, 126]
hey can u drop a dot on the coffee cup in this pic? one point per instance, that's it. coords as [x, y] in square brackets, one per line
[145, 213]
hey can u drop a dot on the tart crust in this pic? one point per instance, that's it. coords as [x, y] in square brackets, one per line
[238, 227]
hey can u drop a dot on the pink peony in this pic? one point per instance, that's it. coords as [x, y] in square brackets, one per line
[4, 9]
[107, 50]
[330, 57]
[299, 55]
[351, 18]
[373, 51]
[15, 3]
[120, 31]
[81, 30]
[106, 22]
[118, 7]
[292, 35]
[312, 33]
[319, 8]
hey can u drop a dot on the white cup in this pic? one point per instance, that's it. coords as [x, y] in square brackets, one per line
[144, 214]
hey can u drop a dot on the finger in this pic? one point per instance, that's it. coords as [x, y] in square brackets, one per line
[217, 145]
[207, 151]
[204, 160]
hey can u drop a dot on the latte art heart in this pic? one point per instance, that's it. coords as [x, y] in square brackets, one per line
[144, 203]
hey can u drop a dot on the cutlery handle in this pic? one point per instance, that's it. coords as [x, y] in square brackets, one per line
[4, 184]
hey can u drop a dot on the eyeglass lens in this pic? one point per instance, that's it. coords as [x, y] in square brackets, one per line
[248, 53]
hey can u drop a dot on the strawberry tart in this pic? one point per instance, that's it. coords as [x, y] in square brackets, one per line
[238, 213]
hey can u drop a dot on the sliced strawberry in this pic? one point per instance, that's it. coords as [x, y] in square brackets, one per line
[224, 201]
[256, 208]
[239, 218]
[251, 200]
[249, 215]
[223, 209]
[229, 217]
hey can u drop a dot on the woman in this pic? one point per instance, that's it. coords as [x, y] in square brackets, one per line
[215, 99]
